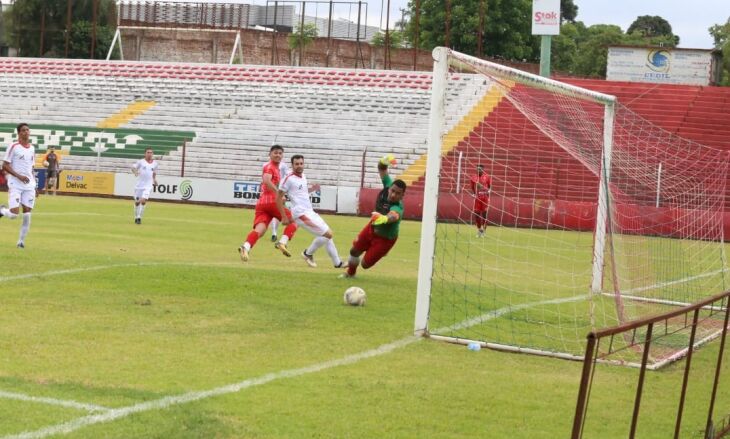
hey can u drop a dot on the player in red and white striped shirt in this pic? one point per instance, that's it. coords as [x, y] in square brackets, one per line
[18, 163]
[267, 208]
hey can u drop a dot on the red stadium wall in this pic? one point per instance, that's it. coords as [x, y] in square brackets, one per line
[554, 214]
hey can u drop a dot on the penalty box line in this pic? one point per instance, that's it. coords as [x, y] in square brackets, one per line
[53, 401]
[166, 402]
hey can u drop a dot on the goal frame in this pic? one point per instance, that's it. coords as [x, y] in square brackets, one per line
[236, 50]
[437, 119]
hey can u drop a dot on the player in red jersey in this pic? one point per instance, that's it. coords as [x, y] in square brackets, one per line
[266, 208]
[481, 186]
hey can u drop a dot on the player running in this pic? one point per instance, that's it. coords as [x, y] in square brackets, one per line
[146, 172]
[481, 187]
[274, 224]
[18, 164]
[381, 232]
[267, 208]
[295, 186]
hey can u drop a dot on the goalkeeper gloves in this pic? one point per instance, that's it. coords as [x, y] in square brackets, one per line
[388, 160]
[379, 218]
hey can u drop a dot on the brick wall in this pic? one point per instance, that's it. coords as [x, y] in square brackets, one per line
[215, 47]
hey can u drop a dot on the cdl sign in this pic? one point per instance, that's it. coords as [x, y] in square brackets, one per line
[545, 17]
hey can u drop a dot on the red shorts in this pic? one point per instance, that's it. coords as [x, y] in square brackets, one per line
[265, 212]
[481, 204]
[374, 246]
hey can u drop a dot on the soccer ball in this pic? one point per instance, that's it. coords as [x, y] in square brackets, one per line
[355, 296]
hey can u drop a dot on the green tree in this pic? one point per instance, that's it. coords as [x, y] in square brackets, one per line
[395, 38]
[26, 18]
[300, 39]
[568, 11]
[304, 36]
[593, 49]
[565, 47]
[652, 26]
[507, 31]
[721, 34]
[80, 41]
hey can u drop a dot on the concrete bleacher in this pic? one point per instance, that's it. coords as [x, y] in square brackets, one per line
[232, 114]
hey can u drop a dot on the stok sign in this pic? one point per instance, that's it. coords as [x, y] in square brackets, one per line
[545, 17]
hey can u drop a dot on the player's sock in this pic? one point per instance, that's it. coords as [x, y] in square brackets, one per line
[7, 213]
[24, 228]
[274, 226]
[332, 251]
[251, 239]
[352, 264]
[288, 232]
[284, 239]
[141, 211]
[136, 210]
[247, 246]
[316, 244]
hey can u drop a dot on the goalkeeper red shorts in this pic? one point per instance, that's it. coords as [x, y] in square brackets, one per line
[481, 204]
[374, 246]
[266, 212]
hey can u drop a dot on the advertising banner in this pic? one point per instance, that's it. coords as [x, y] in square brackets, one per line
[216, 191]
[86, 182]
[545, 17]
[659, 65]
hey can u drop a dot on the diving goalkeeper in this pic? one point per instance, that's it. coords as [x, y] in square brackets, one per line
[381, 232]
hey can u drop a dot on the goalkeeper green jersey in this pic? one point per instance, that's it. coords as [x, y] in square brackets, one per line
[383, 206]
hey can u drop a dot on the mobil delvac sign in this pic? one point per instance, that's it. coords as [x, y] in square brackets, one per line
[659, 65]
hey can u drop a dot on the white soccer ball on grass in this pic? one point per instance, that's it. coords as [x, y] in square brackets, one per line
[355, 296]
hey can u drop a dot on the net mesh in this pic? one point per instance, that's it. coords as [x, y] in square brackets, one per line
[526, 282]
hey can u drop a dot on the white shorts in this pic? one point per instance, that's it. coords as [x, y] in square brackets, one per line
[142, 194]
[313, 222]
[16, 197]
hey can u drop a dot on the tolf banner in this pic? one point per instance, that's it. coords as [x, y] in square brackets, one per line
[545, 17]
[215, 191]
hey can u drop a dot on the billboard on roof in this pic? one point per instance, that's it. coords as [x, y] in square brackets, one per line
[660, 65]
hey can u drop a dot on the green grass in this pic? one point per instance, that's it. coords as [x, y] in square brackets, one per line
[166, 308]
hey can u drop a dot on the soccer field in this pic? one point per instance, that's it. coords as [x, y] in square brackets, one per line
[111, 329]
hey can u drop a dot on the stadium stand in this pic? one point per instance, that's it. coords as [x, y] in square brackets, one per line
[226, 116]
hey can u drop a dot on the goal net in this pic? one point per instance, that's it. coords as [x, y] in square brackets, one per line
[595, 216]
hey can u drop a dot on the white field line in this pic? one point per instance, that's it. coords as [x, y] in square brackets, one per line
[110, 266]
[674, 282]
[163, 403]
[53, 401]
[159, 218]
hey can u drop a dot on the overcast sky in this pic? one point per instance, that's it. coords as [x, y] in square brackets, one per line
[690, 19]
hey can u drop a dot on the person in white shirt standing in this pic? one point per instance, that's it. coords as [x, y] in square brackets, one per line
[18, 164]
[295, 186]
[146, 172]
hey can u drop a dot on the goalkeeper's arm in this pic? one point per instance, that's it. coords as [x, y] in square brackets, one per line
[384, 162]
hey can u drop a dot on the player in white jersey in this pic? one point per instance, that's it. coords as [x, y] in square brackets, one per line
[274, 224]
[18, 164]
[146, 172]
[296, 188]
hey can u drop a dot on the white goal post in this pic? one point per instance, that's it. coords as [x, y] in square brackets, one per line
[236, 50]
[582, 233]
